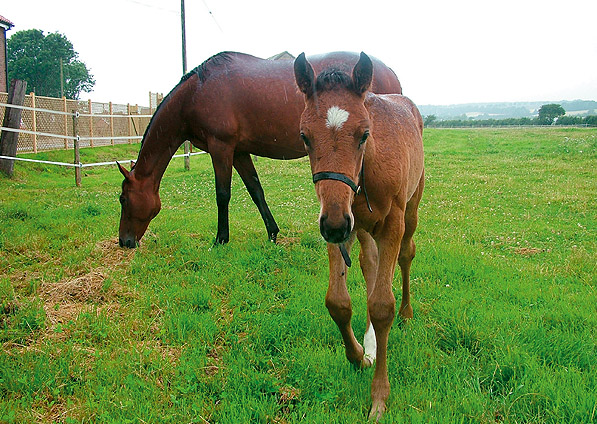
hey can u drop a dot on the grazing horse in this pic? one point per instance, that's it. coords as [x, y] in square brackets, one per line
[355, 137]
[232, 106]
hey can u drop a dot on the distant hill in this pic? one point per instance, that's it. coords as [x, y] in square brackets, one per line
[505, 110]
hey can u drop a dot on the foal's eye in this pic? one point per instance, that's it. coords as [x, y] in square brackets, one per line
[364, 137]
[122, 200]
[305, 140]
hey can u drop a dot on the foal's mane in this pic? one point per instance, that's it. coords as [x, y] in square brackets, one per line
[202, 72]
[333, 78]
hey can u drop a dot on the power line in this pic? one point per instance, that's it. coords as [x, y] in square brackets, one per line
[150, 6]
[212, 16]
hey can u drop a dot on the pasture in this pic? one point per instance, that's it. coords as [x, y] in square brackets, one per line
[177, 331]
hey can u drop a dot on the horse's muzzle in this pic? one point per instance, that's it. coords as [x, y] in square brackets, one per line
[335, 231]
[131, 243]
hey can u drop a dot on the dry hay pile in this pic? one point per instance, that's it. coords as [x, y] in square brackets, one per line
[65, 300]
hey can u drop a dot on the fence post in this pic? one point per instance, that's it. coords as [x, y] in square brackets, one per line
[187, 158]
[34, 129]
[111, 125]
[90, 123]
[129, 120]
[65, 124]
[12, 119]
[76, 147]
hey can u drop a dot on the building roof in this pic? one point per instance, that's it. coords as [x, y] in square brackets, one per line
[5, 23]
[282, 56]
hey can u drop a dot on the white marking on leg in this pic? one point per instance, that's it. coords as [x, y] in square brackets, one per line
[370, 344]
[336, 117]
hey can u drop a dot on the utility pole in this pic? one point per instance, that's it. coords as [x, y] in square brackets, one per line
[187, 144]
[61, 79]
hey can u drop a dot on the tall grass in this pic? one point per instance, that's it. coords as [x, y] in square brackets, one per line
[177, 331]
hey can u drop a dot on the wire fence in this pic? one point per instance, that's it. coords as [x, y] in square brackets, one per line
[47, 124]
[85, 124]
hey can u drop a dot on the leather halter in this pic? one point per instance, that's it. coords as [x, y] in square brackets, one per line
[358, 189]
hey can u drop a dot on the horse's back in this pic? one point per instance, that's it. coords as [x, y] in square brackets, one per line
[398, 131]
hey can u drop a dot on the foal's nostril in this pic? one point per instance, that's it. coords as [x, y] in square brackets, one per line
[120, 242]
[335, 231]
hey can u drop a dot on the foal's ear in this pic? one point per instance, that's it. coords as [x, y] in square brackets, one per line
[362, 74]
[304, 75]
[123, 170]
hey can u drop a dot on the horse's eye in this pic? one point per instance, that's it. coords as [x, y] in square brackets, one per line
[122, 200]
[305, 140]
[364, 137]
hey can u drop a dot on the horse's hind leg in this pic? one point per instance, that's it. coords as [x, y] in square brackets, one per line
[338, 302]
[245, 168]
[222, 158]
[407, 249]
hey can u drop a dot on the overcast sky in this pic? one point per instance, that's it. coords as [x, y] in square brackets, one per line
[444, 52]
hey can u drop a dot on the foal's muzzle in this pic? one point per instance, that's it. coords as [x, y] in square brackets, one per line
[335, 231]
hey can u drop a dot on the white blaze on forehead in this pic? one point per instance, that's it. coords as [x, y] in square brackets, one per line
[336, 117]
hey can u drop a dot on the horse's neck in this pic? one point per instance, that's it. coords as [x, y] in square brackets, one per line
[155, 155]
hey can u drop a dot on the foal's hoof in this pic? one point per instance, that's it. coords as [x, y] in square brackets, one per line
[367, 361]
[377, 411]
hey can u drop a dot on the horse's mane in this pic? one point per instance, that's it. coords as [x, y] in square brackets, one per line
[202, 72]
[331, 79]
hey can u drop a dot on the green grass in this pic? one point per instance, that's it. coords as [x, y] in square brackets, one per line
[504, 295]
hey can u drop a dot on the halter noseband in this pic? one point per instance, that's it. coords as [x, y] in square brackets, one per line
[358, 189]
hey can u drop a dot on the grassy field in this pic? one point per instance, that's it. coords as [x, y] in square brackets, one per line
[504, 295]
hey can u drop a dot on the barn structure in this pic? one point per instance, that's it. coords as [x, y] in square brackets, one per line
[5, 25]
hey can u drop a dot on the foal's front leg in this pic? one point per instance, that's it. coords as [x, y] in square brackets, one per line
[382, 307]
[337, 300]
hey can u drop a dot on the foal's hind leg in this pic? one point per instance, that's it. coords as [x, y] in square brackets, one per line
[245, 168]
[222, 158]
[338, 302]
[407, 249]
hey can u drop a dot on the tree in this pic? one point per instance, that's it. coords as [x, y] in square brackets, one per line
[429, 119]
[547, 113]
[35, 58]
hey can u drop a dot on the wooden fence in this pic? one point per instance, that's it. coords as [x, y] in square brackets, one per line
[115, 120]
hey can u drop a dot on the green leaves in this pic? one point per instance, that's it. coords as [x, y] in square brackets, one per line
[35, 58]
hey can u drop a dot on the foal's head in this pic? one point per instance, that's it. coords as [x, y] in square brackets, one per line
[140, 204]
[335, 127]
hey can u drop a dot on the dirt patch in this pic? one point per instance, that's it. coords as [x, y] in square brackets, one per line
[527, 251]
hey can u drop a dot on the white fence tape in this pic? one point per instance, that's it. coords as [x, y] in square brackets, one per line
[70, 137]
[58, 112]
[87, 165]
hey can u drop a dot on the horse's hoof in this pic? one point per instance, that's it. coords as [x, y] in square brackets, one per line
[367, 361]
[219, 241]
[377, 411]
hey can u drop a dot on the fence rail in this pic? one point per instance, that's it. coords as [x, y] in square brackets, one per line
[46, 122]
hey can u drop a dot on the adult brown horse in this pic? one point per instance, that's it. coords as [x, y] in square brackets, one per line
[231, 106]
[353, 137]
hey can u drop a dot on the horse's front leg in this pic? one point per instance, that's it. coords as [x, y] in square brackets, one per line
[338, 302]
[222, 157]
[381, 305]
[245, 168]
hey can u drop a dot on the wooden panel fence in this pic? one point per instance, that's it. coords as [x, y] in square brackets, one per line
[114, 121]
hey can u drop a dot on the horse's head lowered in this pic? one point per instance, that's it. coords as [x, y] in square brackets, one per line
[334, 127]
[140, 204]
